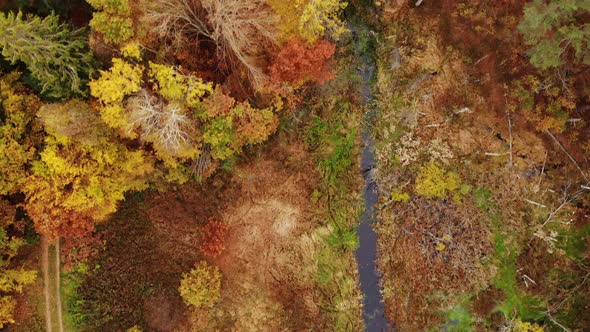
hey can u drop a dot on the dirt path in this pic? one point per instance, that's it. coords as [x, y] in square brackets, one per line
[58, 286]
[52, 288]
[45, 267]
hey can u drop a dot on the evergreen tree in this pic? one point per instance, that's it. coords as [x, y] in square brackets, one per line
[552, 28]
[55, 56]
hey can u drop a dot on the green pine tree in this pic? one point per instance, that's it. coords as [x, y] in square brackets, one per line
[56, 57]
[551, 28]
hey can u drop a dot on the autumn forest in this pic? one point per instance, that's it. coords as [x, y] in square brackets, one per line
[304, 165]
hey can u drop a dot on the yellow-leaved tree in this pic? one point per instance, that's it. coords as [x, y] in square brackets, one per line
[18, 136]
[83, 172]
[17, 110]
[112, 19]
[178, 113]
[309, 19]
[201, 287]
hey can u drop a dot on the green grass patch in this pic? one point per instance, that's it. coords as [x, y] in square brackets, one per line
[74, 316]
[506, 251]
[331, 135]
[459, 319]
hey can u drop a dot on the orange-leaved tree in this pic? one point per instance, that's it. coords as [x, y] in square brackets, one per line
[299, 62]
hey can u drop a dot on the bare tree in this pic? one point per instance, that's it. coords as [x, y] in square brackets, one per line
[177, 20]
[165, 125]
[242, 29]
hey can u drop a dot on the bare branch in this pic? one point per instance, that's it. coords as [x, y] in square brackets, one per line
[567, 153]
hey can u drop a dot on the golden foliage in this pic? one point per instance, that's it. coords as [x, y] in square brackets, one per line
[122, 79]
[7, 306]
[309, 19]
[78, 180]
[16, 145]
[320, 18]
[399, 196]
[180, 114]
[433, 181]
[11, 280]
[174, 86]
[112, 19]
[520, 326]
[201, 287]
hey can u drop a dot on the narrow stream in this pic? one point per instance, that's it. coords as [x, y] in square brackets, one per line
[366, 254]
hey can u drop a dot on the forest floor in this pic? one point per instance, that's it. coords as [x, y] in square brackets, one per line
[279, 270]
[501, 238]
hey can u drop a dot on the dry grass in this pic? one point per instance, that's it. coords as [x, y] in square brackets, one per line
[492, 248]
[409, 249]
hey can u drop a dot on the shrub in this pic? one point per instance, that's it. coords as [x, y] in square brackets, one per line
[56, 57]
[201, 287]
[213, 238]
[520, 326]
[399, 196]
[547, 106]
[434, 182]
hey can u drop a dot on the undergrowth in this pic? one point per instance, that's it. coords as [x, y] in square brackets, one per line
[333, 143]
[506, 251]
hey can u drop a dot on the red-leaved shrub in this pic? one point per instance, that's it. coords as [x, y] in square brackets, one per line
[213, 238]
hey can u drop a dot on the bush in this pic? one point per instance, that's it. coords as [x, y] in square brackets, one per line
[434, 182]
[299, 62]
[201, 287]
[214, 238]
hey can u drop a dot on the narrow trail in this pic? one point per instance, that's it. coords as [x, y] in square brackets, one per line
[58, 286]
[366, 254]
[45, 268]
[52, 288]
